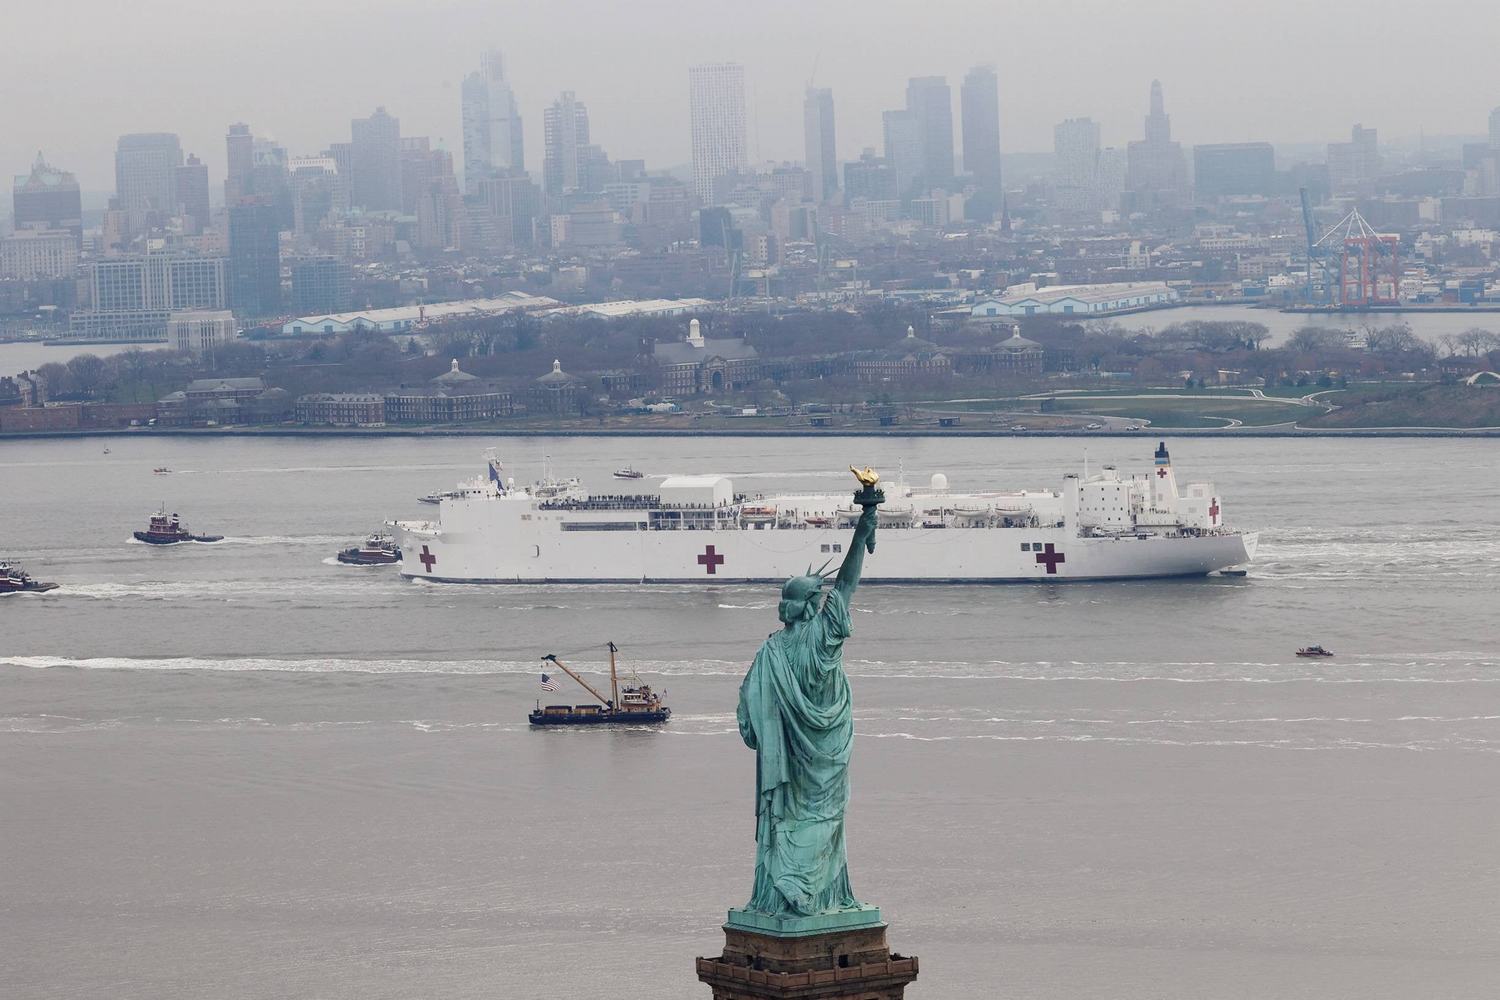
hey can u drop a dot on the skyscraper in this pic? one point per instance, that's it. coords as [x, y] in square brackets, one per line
[716, 104]
[821, 144]
[321, 284]
[980, 100]
[1495, 129]
[375, 155]
[492, 125]
[192, 194]
[1075, 144]
[254, 258]
[565, 131]
[930, 100]
[1354, 161]
[1157, 170]
[903, 149]
[1233, 168]
[239, 149]
[146, 179]
[47, 198]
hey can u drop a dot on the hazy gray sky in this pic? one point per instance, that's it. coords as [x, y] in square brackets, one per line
[75, 75]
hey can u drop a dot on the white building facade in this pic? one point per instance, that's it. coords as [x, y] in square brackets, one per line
[716, 105]
[1084, 300]
[199, 331]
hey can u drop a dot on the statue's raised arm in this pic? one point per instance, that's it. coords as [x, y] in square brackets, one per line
[869, 497]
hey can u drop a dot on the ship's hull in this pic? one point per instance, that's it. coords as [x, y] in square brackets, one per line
[356, 557]
[30, 587]
[601, 718]
[150, 539]
[532, 555]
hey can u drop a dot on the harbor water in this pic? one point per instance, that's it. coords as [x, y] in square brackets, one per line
[243, 770]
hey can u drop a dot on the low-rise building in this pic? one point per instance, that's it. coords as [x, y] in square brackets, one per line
[557, 393]
[453, 397]
[1084, 300]
[699, 364]
[909, 357]
[341, 409]
[199, 331]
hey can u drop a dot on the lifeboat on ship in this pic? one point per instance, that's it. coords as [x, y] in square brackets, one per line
[758, 513]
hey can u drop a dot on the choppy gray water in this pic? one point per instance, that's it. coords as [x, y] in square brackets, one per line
[240, 770]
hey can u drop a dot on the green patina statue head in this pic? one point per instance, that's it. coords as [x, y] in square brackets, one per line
[799, 596]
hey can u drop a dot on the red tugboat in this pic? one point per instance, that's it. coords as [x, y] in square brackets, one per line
[15, 580]
[635, 705]
[167, 529]
[378, 550]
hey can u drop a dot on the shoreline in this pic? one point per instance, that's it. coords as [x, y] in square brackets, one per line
[1279, 431]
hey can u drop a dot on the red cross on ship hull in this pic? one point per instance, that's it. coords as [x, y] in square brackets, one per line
[711, 560]
[1050, 558]
[427, 559]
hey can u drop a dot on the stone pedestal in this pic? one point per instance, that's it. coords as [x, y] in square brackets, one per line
[850, 961]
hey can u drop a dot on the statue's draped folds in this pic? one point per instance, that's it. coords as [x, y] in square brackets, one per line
[794, 711]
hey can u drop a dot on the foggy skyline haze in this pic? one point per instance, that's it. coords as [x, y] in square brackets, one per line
[299, 72]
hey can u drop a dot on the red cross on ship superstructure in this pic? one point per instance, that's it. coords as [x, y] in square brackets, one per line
[1050, 558]
[711, 560]
[1213, 511]
[427, 558]
[1161, 472]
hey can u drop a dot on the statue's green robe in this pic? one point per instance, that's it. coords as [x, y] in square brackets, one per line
[794, 712]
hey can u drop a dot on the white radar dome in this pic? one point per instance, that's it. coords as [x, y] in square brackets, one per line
[939, 481]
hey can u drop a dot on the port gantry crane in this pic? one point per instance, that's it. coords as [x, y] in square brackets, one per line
[1358, 267]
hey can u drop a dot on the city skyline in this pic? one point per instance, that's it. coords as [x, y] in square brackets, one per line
[422, 86]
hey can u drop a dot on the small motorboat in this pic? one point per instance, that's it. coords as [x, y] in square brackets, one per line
[161, 470]
[629, 473]
[378, 550]
[168, 529]
[1314, 651]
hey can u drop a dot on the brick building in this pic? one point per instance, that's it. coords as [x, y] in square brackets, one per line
[706, 365]
[341, 409]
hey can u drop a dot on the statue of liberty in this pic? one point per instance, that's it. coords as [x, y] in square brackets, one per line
[794, 712]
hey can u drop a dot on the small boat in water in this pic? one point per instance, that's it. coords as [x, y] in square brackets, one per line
[161, 470]
[168, 529]
[633, 704]
[15, 580]
[629, 473]
[1314, 651]
[378, 550]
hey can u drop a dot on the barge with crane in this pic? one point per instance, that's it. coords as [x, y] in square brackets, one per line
[633, 704]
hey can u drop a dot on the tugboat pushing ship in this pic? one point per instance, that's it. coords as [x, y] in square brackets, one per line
[631, 705]
[378, 550]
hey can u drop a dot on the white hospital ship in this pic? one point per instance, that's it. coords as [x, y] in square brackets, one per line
[697, 529]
